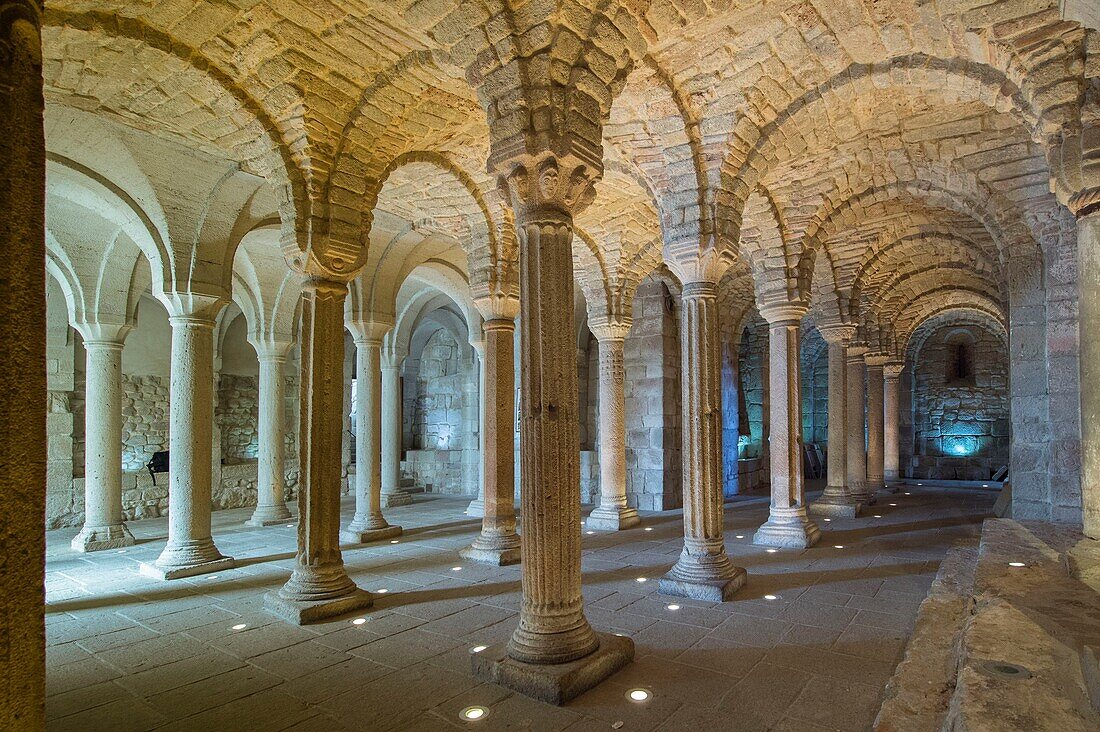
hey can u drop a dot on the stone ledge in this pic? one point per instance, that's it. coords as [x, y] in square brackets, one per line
[553, 683]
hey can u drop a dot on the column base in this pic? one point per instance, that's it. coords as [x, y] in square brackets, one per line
[476, 509]
[835, 506]
[497, 556]
[99, 538]
[709, 577]
[179, 571]
[301, 612]
[861, 494]
[788, 528]
[366, 536]
[612, 519]
[396, 498]
[554, 683]
[269, 516]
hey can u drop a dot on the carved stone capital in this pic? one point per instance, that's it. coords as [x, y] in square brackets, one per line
[1075, 166]
[856, 351]
[786, 313]
[892, 370]
[547, 185]
[497, 306]
[837, 333]
[610, 328]
[368, 331]
[877, 359]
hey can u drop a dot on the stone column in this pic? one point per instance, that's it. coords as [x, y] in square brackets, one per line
[788, 523]
[368, 524]
[190, 549]
[271, 506]
[392, 494]
[103, 526]
[319, 586]
[837, 501]
[1088, 283]
[704, 571]
[891, 465]
[856, 456]
[476, 509]
[875, 385]
[22, 368]
[554, 654]
[612, 514]
[498, 542]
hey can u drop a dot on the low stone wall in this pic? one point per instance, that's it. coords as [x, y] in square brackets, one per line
[141, 499]
[144, 419]
[752, 476]
[450, 472]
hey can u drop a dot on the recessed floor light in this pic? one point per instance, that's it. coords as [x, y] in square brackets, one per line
[827, 520]
[478, 649]
[893, 504]
[908, 494]
[771, 597]
[394, 541]
[212, 577]
[473, 714]
[673, 607]
[290, 526]
[740, 536]
[640, 579]
[649, 528]
[121, 551]
[358, 621]
[771, 551]
[240, 626]
[919, 485]
[878, 515]
[985, 485]
[590, 532]
[838, 546]
[1016, 564]
[382, 591]
[638, 695]
[456, 569]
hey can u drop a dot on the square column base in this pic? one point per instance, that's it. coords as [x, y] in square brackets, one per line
[260, 523]
[612, 520]
[835, 510]
[494, 557]
[149, 569]
[348, 536]
[787, 535]
[553, 683]
[707, 590]
[397, 498]
[301, 612]
[101, 539]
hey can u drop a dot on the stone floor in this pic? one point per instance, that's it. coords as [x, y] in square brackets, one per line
[807, 645]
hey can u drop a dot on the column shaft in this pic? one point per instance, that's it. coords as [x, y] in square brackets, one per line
[271, 506]
[392, 495]
[613, 513]
[190, 549]
[704, 570]
[103, 526]
[837, 501]
[476, 509]
[875, 480]
[856, 456]
[552, 627]
[319, 587]
[498, 542]
[788, 523]
[1088, 278]
[891, 468]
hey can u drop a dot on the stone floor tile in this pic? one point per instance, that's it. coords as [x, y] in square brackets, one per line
[818, 704]
[334, 680]
[124, 715]
[180, 673]
[392, 701]
[299, 659]
[760, 699]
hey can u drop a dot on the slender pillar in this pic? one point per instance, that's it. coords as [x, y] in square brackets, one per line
[837, 501]
[368, 524]
[103, 525]
[554, 654]
[190, 549]
[271, 506]
[788, 523]
[392, 494]
[891, 465]
[22, 369]
[498, 542]
[476, 509]
[704, 571]
[875, 386]
[856, 456]
[612, 514]
[319, 587]
[1088, 278]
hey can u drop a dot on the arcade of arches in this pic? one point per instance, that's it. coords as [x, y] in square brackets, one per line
[557, 364]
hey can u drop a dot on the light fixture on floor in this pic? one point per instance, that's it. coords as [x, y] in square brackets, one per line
[771, 551]
[649, 528]
[212, 577]
[473, 714]
[121, 551]
[394, 541]
[740, 536]
[290, 526]
[771, 597]
[673, 607]
[878, 515]
[478, 649]
[893, 504]
[638, 695]
[382, 591]
[1016, 564]
[456, 569]
[590, 532]
[827, 520]
[240, 626]
[358, 621]
[838, 546]
[640, 579]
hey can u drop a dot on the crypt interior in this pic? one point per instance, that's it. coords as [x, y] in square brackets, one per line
[550, 364]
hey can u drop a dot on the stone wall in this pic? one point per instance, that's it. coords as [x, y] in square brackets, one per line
[814, 371]
[237, 414]
[144, 419]
[959, 402]
[753, 368]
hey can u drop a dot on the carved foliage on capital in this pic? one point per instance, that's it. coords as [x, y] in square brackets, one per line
[833, 333]
[497, 305]
[892, 370]
[1075, 167]
[610, 328]
[547, 184]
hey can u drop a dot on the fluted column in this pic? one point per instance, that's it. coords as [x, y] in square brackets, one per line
[271, 506]
[190, 549]
[875, 385]
[476, 509]
[788, 523]
[612, 514]
[837, 501]
[498, 543]
[392, 493]
[103, 525]
[704, 571]
[856, 456]
[319, 587]
[368, 523]
[891, 429]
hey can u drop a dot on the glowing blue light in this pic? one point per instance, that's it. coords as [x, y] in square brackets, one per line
[960, 449]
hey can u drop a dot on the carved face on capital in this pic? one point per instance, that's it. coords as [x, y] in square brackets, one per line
[548, 181]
